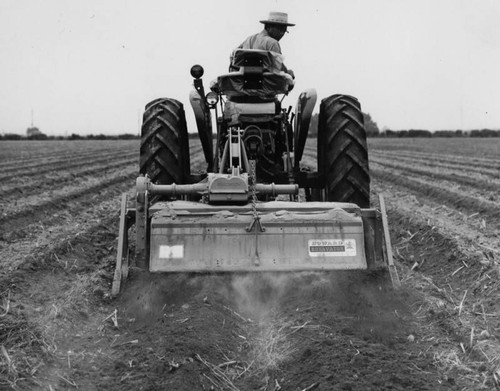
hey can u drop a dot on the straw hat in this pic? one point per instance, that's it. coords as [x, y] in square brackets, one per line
[277, 18]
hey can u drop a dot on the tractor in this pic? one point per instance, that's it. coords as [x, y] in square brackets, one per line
[257, 207]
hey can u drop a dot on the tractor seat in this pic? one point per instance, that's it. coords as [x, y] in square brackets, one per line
[266, 87]
[256, 74]
[253, 112]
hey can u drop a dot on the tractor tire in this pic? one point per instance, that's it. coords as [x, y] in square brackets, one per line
[164, 152]
[343, 151]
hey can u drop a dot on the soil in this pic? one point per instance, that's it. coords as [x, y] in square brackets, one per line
[60, 329]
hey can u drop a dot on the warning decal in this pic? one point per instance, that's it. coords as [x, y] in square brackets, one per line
[332, 247]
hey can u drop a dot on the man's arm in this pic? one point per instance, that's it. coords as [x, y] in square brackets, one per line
[289, 71]
[275, 47]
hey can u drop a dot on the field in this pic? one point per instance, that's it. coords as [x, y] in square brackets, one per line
[61, 330]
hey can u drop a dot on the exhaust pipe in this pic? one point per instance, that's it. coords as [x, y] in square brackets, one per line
[202, 115]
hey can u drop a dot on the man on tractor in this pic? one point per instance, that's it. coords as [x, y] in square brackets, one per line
[275, 28]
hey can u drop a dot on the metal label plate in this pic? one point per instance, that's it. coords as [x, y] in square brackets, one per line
[332, 248]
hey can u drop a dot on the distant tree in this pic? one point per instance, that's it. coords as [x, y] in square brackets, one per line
[75, 136]
[127, 136]
[12, 136]
[419, 133]
[485, 133]
[38, 136]
[444, 133]
[32, 131]
[371, 126]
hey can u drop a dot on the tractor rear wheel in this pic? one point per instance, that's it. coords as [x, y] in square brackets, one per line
[164, 152]
[343, 151]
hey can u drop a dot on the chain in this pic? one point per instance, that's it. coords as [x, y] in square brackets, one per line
[253, 178]
[255, 214]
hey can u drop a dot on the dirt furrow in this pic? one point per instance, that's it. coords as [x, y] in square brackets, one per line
[60, 152]
[444, 193]
[46, 245]
[440, 158]
[51, 158]
[197, 157]
[11, 154]
[473, 234]
[433, 164]
[456, 269]
[13, 190]
[51, 281]
[459, 147]
[59, 165]
[463, 202]
[45, 207]
[459, 176]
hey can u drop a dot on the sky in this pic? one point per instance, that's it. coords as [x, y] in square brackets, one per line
[90, 66]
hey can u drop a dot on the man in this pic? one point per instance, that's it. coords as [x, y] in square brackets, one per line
[275, 28]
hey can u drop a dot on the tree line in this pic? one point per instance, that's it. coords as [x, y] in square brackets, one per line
[371, 127]
[440, 133]
[73, 136]
[372, 130]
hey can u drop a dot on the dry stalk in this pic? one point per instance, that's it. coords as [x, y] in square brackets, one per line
[448, 360]
[7, 305]
[496, 378]
[228, 363]
[114, 318]
[311, 387]
[236, 314]
[71, 383]
[211, 381]
[11, 367]
[297, 328]
[245, 370]
[223, 381]
[271, 346]
[456, 271]
[462, 303]
[357, 352]
[133, 342]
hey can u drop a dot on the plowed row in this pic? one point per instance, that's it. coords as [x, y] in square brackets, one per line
[59, 328]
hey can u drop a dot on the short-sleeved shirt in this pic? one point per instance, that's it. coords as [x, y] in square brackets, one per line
[261, 41]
